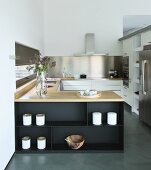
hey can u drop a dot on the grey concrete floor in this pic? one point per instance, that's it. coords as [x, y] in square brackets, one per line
[137, 154]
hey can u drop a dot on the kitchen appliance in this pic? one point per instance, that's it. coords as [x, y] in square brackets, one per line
[145, 86]
[83, 76]
[113, 74]
[126, 71]
[90, 46]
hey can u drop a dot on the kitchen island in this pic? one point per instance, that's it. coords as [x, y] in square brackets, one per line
[67, 114]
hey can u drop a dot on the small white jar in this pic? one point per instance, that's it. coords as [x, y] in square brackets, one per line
[97, 118]
[40, 119]
[41, 142]
[26, 142]
[27, 119]
[112, 118]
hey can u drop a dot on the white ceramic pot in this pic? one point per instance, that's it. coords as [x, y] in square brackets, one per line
[41, 142]
[97, 118]
[112, 118]
[26, 142]
[27, 119]
[40, 119]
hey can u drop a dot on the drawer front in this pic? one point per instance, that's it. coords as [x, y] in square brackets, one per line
[76, 83]
[104, 88]
[127, 96]
[107, 83]
[74, 88]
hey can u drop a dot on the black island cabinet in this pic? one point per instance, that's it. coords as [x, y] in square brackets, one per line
[69, 118]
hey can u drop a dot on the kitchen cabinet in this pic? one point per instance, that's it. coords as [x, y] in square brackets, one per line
[76, 85]
[67, 114]
[103, 85]
[100, 85]
[146, 38]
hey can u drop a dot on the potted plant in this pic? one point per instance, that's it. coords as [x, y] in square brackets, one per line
[41, 67]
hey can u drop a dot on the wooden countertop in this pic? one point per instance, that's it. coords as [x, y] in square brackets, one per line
[62, 96]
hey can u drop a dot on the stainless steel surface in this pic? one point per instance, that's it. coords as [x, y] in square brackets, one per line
[145, 87]
[92, 66]
[89, 43]
[89, 46]
[144, 62]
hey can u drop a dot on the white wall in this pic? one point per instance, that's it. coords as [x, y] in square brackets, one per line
[19, 21]
[67, 21]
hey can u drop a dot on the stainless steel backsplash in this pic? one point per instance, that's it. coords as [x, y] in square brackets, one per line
[92, 66]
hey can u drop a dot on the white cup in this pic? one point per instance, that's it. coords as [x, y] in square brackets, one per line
[27, 119]
[81, 93]
[92, 92]
[97, 118]
[41, 142]
[26, 142]
[112, 118]
[40, 119]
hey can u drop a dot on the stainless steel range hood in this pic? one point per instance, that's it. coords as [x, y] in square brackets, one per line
[90, 46]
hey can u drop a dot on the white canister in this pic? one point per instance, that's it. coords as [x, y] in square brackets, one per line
[97, 118]
[27, 119]
[40, 119]
[26, 142]
[41, 142]
[112, 118]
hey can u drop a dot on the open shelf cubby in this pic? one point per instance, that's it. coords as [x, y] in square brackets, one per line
[67, 118]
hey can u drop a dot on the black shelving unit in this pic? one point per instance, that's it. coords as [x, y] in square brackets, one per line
[67, 118]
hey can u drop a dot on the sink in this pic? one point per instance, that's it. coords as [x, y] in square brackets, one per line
[49, 86]
[51, 82]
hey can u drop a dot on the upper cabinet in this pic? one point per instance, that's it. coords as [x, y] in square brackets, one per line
[127, 46]
[146, 38]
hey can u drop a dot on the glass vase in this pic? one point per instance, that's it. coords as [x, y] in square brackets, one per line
[41, 84]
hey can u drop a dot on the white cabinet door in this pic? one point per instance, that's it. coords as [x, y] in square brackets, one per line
[127, 96]
[103, 85]
[74, 88]
[76, 85]
[76, 82]
[146, 38]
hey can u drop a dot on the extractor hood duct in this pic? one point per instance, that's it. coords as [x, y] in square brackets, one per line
[90, 46]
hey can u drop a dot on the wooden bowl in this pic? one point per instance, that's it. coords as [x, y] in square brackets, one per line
[75, 141]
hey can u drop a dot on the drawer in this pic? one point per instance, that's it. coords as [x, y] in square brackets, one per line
[74, 88]
[104, 88]
[107, 82]
[76, 83]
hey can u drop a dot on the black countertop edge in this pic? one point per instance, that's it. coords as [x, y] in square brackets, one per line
[136, 32]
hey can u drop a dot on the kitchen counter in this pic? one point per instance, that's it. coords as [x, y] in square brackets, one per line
[93, 78]
[61, 96]
[66, 114]
[55, 95]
